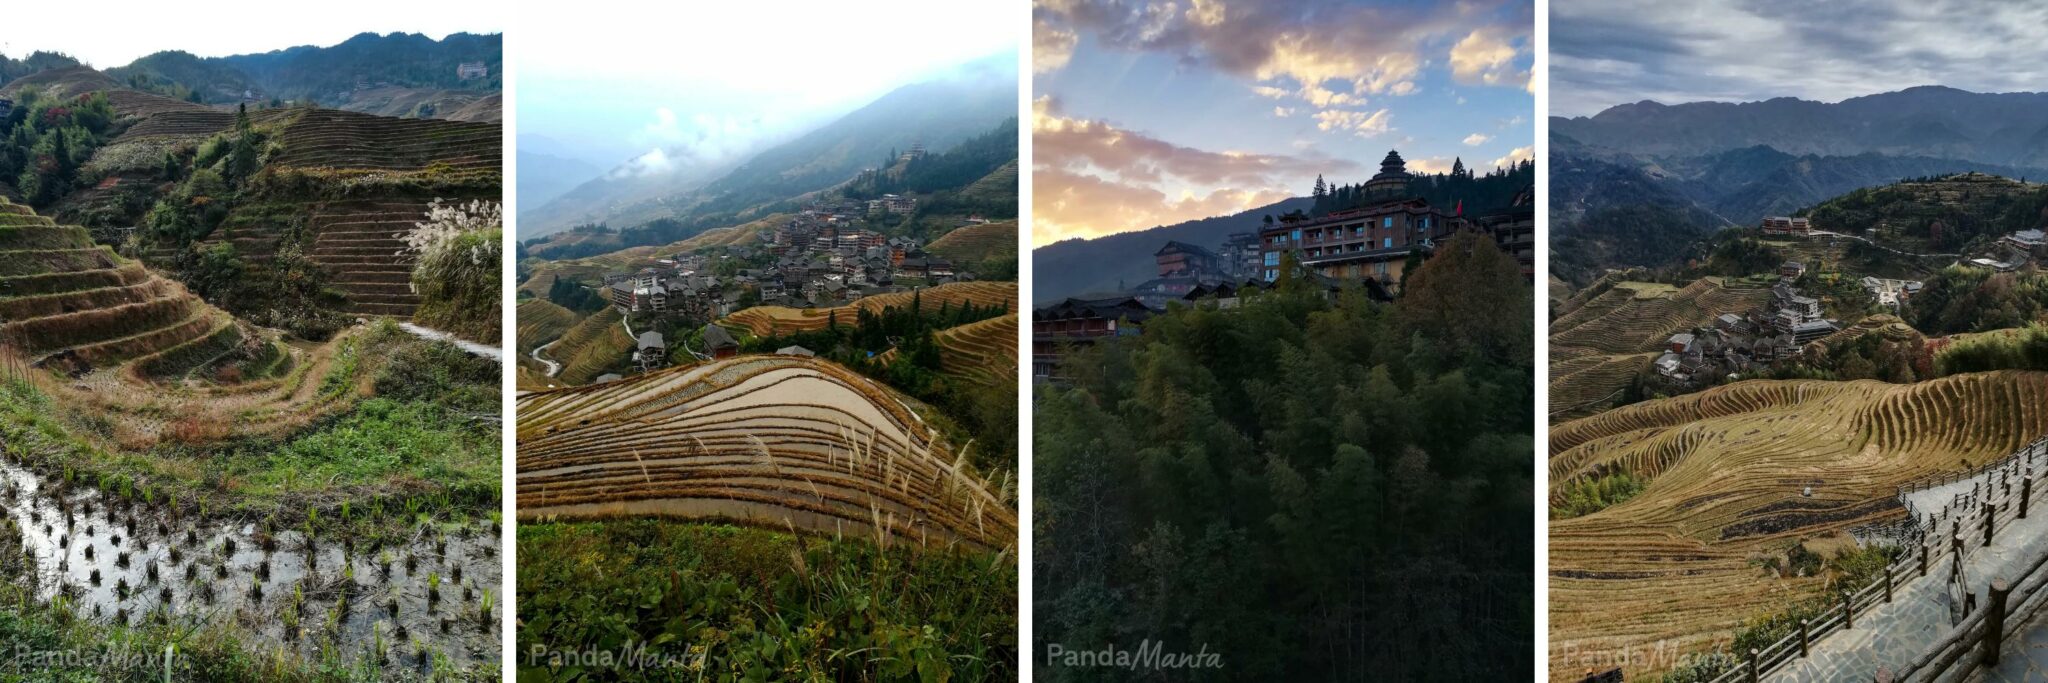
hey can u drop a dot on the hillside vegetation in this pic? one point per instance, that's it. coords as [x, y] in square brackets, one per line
[769, 321]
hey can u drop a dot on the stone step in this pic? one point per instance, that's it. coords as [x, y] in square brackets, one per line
[394, 310]
[361, 287]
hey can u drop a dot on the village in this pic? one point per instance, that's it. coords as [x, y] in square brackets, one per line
[1368, 247]
[823, 257]
[1750, 342]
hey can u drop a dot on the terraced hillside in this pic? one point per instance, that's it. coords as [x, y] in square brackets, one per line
[977, 243]
[983, 352]
[1727, 474]
[1605, 334]
[772, 441]
[334, 139]
[1884, 326]
[592, 347]
[542, 321]
[70, 304]
[768, 321]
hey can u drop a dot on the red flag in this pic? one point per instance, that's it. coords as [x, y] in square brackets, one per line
[1461, 208]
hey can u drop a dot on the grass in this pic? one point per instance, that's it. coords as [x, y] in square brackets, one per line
[732, 603]
[416, 444]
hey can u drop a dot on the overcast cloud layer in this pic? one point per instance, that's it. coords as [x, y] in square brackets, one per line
[1609, 52]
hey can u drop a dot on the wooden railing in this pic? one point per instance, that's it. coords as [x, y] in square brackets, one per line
[1970, 521]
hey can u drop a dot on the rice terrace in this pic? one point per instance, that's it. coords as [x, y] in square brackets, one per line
[244, 406]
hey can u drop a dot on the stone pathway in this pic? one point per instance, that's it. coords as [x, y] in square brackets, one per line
[2024, 658]
[1894, 635]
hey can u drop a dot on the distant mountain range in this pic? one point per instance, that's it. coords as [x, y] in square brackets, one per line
[1636, 184]
[328, 74]
[939, 114]
[2009, 129]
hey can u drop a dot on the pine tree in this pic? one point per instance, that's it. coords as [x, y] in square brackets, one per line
[1321, 189]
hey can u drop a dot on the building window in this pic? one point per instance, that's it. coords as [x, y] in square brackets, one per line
[1272, 275]
[1272, 258]
[1387, 222]
[1297, 234]
[1387, 243]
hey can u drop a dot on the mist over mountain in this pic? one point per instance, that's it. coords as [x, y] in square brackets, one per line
[938, 114]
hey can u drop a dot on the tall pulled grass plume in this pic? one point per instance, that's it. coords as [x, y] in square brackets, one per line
[457, 275]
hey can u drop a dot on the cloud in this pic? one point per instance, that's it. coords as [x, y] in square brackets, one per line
[1477, 139]
[1330, 53]
[654, 162]
[1061, 142]
[1068, 205]
[1283, 112]
[1487, 56]
[1429, 165]
[1609, 52]
[1092, 178]
[1516, 155]
[1366, 124]
[1051, 47]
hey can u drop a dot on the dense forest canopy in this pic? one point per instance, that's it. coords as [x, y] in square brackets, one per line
[44, 142]
[11, 69]
[1276, 483]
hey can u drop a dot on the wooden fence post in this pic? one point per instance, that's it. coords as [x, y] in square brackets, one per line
[1752, 666]
[1804, 640]
[1956, 547]
[1990, 515]
[1923, 560]
[2026, 494]
[1994, 620]
[1848, 611]
[1887, 584]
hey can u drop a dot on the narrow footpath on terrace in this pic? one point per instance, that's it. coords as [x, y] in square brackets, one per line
[1898, 634]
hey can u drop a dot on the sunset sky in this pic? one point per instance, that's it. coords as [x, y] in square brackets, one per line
[1147, 114]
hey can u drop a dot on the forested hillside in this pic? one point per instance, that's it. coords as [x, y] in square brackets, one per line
[1274, 483]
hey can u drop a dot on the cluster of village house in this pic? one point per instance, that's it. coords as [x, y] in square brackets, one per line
[1368, 246]
[1747, 341]
[820, 258]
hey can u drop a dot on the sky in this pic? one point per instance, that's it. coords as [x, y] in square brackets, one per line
[1153, 112]
[678, 86]
[1609, 52]
[227, 27]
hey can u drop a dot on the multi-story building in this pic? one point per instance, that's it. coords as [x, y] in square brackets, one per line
[1239, 256]
[471, 70]
[1071, 323]
[1372, 241]
[1514, 229]
[1178, 259]
[1783, 225]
